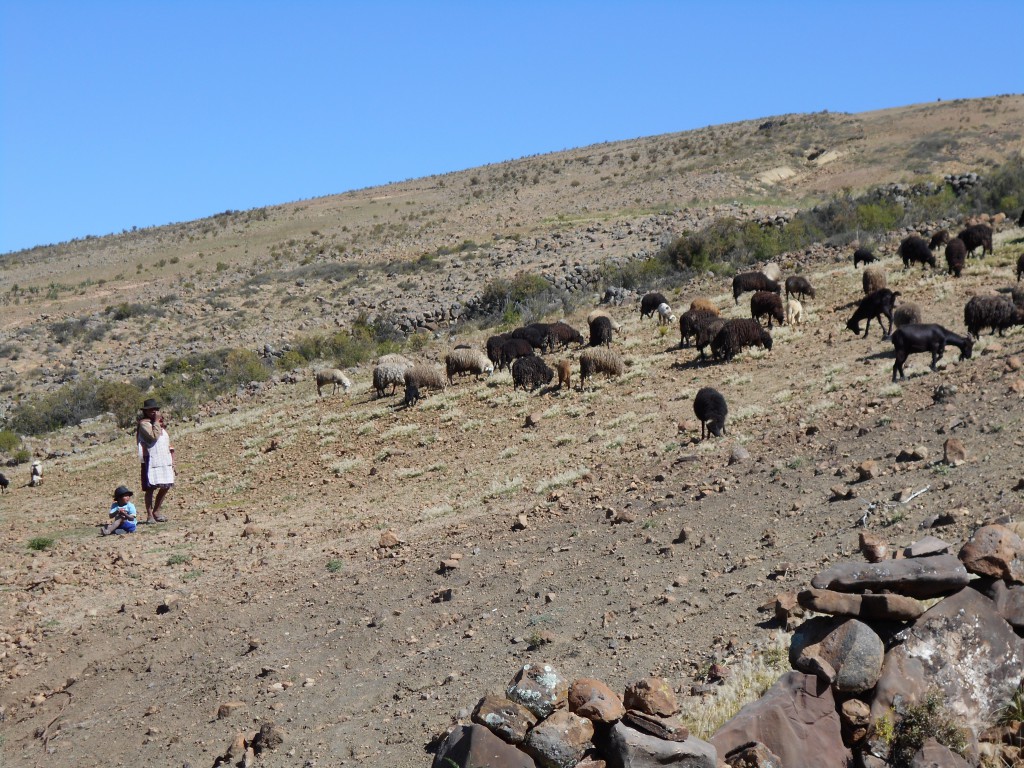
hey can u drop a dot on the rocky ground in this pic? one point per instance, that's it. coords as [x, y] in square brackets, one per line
[605, 539]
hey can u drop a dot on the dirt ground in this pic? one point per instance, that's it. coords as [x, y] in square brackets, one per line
[640, 550]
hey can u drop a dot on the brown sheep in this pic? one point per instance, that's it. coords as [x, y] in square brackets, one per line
[564, 368]
[701, 303]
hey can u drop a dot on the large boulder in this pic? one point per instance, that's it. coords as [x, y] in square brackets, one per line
[652, 695]
[476, 745]
[962, 646]
[507, 719]
[538, 687]
[561, 740]
[995, 551]
[595, 701]
[845, 652]
[920, 577]
[796, 719]
[624, 747]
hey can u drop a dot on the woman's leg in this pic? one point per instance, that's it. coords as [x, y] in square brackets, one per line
[160, 493]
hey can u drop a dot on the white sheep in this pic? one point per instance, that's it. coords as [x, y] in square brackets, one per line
[794, 312]
[390, 372]
[331, 376]
[463, 360]
[665, 315]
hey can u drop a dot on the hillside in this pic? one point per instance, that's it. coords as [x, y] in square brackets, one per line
[605, 539]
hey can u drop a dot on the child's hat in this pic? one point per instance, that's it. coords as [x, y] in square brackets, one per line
[122, 491]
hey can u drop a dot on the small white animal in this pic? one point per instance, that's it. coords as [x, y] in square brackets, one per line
[794, 312]
[331, 376]
[665, 315]
[37, 474]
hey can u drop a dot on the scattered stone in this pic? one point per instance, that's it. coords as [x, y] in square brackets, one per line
[796, 719]
[738, 454]
[944, 393]
[1013, 363]
[929, 545]
[845, 652]
[917, 453]
[954, 452]
[995, 551]
[626, 747]
[228, 708]
[755, 755]
[919, 577]
[841, 492]
[1008, 601]
[389, 539]
[595, 701]
[270, 736]
[561, 740]
[867, 470]
[873, 547]
[932, 754]
[652, 695]
[856, 718]
[521, 523]
[788, 610]
[538, 687]
[532, 419]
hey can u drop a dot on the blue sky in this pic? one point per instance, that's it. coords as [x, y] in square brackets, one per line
[121, 114]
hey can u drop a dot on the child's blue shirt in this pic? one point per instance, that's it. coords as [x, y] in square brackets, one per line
[130, 515]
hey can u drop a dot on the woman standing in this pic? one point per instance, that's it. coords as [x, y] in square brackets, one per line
[157, 458]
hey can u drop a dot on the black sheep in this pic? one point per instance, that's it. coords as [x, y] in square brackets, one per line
[926, 337]
[863, 255]
[764, 303]
[995, 312]
[563, 334]
[4, 482]
[738, 334]
[939, 238]
[601, 332]
[956, 256]
[536, 335]
[412, 395]
[915, 249]
[494, 347]
[530, 373]
[706, 334]
[1020, 266]
[753, 281]
[875, 304]
[799, 286]
[711, 409]
[691, 322]
[975, 236]
[649, 304]
[512, 349]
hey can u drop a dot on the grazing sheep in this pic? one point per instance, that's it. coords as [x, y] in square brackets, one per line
[996, 222]
[4, 482]
[650, 302]
[753, 281]
[710, 408]
[601, 313]
[705, 304]
[772, 271]
[390, 372]
[564, 368]
[975, 236]
[493, 346]
[425, 377]
[995, 312]
[601, 332]
[706, 334]
[799, 286]
[530, 373]
[956, 256]
[463, 361]
[914, 250]
[863, 255]
[875, 304]
[596, 360]
[938, 239]
[926, 338]
[735, 335]
[691, 322]
[765, 303]
[906, 314]
[1017, 296]
[36, 476]
[333, 377]
[665, 315]
[512, 349]
[873, 280]
[562, 334]
[536, 336]
[412, 395]
[1020, 264]
[794, 312]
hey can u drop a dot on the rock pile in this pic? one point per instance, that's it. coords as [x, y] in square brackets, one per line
[874, 655]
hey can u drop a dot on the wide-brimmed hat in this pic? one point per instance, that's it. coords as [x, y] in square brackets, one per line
[122, 491]
[150, 404]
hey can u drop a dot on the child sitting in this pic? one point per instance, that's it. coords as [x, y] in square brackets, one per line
[122, 513]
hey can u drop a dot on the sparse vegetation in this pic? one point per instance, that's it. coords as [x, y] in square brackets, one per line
[910, 725]
[41, 543]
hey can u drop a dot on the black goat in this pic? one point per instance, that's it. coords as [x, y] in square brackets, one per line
[4, 482]
[711, 409]
[412, 395]
[863, 255]
[875, 304]
[926, 337]
[915, 249]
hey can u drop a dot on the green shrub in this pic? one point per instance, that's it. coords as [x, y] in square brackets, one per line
[913, 724]
[22, 456]
[8, 441]
[121, 399]
[41, 543]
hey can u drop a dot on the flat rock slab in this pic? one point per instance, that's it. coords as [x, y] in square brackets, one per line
[625, 747]
[870, 607]
[962, 646]
[476, 745]
[796, 719]
[920, 577]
